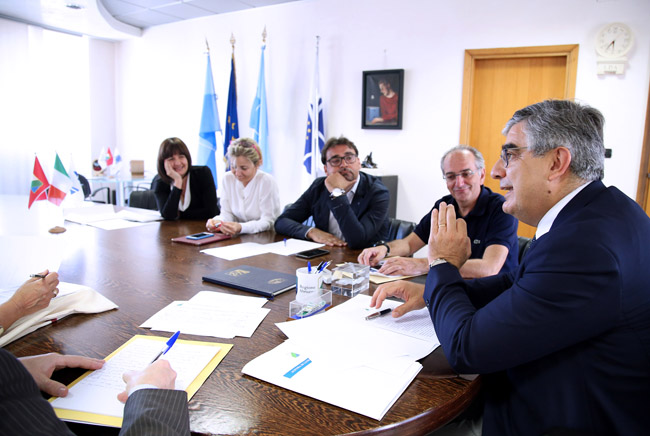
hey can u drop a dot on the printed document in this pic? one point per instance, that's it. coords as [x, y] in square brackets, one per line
[93, 397]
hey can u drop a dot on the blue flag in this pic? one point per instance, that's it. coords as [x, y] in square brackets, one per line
[315, 138]
[232, 125]
[209, 125]
[259, 121]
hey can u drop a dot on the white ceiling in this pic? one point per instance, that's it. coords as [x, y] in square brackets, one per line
[117, 19]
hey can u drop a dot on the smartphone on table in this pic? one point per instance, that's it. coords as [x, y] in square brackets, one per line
[201, 235]
[310, 254]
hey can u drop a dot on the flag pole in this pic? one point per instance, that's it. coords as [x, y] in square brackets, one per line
[315, 126]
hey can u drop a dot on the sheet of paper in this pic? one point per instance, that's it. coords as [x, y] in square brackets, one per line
[115, 224]
[97, 392]
[207, 320]
[378, 278]
[139, 215]
[362, 389]
[239, 302]
[292, 246]
[87, 215]
[236, 251]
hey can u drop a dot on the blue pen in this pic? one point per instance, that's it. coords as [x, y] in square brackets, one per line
[308, 267]
[168, 345]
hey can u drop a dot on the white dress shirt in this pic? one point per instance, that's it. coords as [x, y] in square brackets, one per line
[333, 225]
[255, 206]
[547, 220]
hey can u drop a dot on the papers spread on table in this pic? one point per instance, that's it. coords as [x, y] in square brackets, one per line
[105, 217]
[211, 314]
[92, 398]
[342, 359]
[378, 278]
[247, 249]
[70, 300]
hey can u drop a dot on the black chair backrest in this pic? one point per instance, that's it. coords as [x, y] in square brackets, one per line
[399, 229]
[85, 185]
[144, 199]
[524, 243]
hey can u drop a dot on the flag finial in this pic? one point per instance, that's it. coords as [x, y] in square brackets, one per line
[206, 45]
[232, 41]
[264, 35]
[317, 43]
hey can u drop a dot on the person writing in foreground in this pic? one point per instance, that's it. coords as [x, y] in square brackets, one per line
[152, 406]
[250, 199]
[349, 207]
[33, 295]
[183, 191]
[493, 232]
[564, 341]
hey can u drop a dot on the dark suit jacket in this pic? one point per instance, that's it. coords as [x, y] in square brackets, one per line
[24, 410]
[362, 223]
[203, 204]
[565, 339]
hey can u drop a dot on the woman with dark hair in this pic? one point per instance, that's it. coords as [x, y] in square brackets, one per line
[183, 191]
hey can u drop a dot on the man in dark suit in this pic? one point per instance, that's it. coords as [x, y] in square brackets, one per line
[349, 207]
[564, 341]
[152, 406]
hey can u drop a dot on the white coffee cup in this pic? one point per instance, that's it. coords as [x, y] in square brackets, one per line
[309, 285]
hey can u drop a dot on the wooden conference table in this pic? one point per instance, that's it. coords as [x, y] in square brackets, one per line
[142, 271]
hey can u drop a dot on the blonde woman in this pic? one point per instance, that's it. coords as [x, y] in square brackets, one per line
[250, 199]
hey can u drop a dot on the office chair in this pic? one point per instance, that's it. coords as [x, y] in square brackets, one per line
[524, 244]
[399, 229]
[90, 195]
[143, 197]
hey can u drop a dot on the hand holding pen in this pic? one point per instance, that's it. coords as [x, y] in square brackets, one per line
[159, 374]
[167, 347]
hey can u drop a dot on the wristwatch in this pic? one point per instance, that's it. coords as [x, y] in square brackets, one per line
[437, 262]
[336, 193]
[385, 244]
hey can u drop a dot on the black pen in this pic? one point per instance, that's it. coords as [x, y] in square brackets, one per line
[40, 276]
[378, 314]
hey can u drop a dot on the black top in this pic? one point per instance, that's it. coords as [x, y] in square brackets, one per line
[203, 203]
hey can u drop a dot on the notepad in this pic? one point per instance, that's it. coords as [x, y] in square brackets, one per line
[92, 398]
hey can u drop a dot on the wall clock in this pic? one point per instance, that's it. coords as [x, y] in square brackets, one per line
[613, 42]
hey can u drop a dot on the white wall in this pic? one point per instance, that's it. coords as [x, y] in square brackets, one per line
[160, 78]
[157, 80]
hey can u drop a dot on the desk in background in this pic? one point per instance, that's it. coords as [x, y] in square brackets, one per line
[121, 186]
[142, 271]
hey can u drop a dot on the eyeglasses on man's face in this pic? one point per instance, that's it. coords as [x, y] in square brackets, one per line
[507, 153]
[451, 177]
[336, 161]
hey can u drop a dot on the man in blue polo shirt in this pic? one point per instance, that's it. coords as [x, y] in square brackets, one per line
[492, 232]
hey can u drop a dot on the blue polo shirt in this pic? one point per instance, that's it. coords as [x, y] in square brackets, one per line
[487, 224]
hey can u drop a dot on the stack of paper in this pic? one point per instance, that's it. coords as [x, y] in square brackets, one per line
[340, 358]
[104, 216]
[211, 314]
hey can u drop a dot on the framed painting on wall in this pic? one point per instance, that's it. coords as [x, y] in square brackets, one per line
[382, 99]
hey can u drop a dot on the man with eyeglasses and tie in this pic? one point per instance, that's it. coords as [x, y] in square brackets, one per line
[563, 342]
[492, 232]
[349, 207]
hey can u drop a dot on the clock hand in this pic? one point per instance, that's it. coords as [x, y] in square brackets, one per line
[611, 44]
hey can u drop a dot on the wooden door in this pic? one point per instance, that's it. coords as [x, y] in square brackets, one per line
[643, 189]
[497, 82]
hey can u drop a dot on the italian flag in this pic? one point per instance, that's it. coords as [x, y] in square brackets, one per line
[61, 183]
[38, 189]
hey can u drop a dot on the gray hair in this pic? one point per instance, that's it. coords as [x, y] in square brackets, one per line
[478, 157]
[562, 123]
[247, 148]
